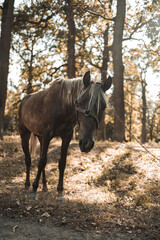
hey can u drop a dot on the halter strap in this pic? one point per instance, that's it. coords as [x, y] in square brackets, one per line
[90, 114]
[89, 110]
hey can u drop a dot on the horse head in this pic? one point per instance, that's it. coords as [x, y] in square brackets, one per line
[90, 105]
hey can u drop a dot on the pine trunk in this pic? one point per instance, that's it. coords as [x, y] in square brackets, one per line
[144, 105]
[30, 73]
[101, 132]
[5, 40]
[118, 95]
[71, 69]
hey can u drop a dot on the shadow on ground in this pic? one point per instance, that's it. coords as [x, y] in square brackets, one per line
[133, 213]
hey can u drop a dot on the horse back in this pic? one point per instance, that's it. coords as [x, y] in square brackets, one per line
[45, 110]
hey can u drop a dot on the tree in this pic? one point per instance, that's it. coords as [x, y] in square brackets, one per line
[118, 95]
[5, 40]
[144, 107]
[153, 119]
[55, 38]
[101, 133]
[71, 69]
[34, 43]
[100, 20]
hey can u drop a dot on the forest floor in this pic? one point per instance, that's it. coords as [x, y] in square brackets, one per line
[111, 193]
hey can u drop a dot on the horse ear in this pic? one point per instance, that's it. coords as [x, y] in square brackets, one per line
[107, 84]
[86, 79]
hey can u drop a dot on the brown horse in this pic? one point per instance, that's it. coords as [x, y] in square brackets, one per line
[54, 112]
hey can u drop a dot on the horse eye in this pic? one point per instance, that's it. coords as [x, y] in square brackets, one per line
[87, 113]
[76, 102]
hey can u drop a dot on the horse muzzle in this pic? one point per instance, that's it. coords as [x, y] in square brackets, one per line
[86, 145]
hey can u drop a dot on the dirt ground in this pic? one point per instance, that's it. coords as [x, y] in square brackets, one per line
[110, 193]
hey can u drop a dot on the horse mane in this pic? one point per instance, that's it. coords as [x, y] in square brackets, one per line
[96, 94]
[70, 88]
[96, 91]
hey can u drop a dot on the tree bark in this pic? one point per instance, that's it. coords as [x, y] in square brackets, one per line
[5, 40]
[101, 132]
[30, 72]
[71, 69]
[130, 119]
[118, 95]
[144, 106]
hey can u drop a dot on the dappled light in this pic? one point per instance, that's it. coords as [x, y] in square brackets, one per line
[88, 71]
[115, 186]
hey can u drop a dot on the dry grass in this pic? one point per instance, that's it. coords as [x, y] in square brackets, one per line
[114, 187]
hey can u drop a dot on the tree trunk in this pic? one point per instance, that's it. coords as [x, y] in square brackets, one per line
[5, 40]
[130, 120]
[118, 95]
[101, 132]
[71, 69]
[151, 124]
[144, 105]
[30, 73]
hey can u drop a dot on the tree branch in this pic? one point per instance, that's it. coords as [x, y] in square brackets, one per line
[57, 68]
[139, 25]
[95, 65]
[136, 39]
[98, 14]
[135, 109]
[42, 20]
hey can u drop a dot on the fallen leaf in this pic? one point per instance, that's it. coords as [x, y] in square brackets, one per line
[14, 228]
[18, 203]
[29, 208]
[46, 214]
[64, 221]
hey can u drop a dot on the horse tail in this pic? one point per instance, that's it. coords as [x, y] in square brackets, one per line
[33, 145]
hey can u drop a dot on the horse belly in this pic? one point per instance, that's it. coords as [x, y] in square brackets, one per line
[33, 125]
[33, 121]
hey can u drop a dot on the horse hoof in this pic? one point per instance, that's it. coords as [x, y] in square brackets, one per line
[25, 192]
[61, 197]
[45, 189]
[33, 196]
[26, 188]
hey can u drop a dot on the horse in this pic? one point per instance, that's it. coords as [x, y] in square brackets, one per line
[54, 112]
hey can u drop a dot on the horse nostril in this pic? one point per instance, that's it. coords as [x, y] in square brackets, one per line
[76, 103]
[87, 113]
[83, 142]
[92, 145]
[80, 142]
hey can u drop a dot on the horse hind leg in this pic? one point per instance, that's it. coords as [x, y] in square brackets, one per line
[41, 164]
[25, 146]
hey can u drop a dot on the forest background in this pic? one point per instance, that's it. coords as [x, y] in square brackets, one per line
[48, 39]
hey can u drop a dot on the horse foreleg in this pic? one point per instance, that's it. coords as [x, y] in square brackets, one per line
[41, 164]
[62, 163]
[45, 189]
